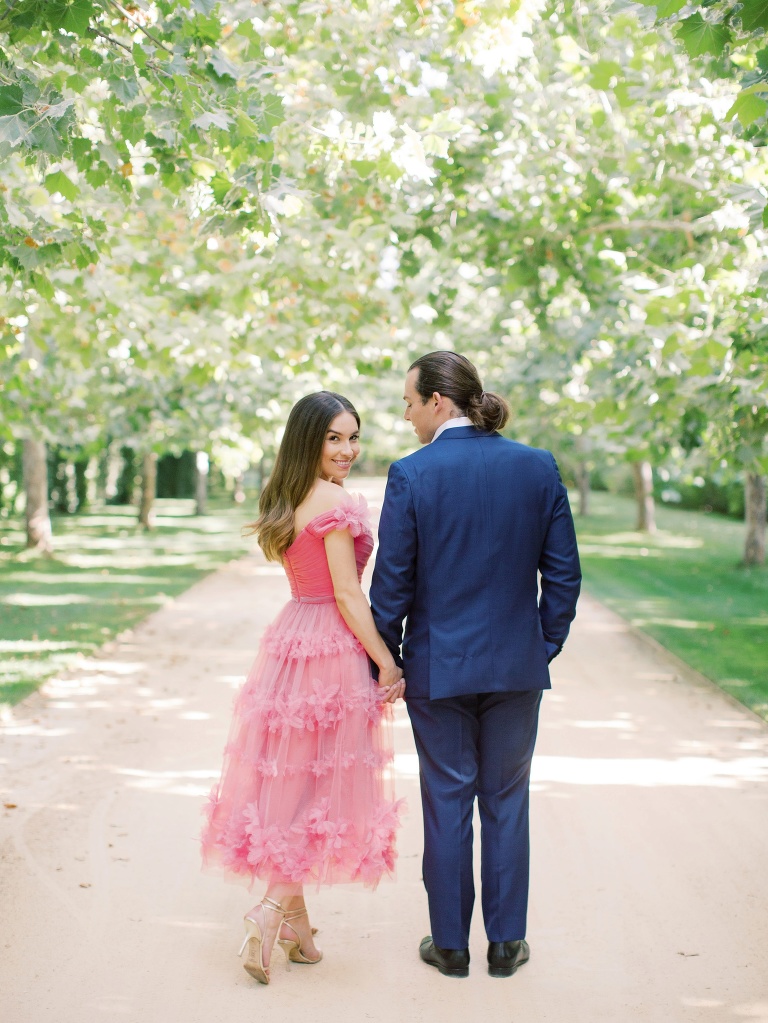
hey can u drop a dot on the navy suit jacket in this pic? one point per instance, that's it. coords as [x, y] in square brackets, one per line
[467, 524]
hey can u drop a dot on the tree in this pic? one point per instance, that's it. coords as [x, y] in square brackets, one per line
[727, 40]
[588, 236]
[180, 126]
[541, 185]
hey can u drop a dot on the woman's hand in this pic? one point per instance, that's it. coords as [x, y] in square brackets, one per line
[391, 683]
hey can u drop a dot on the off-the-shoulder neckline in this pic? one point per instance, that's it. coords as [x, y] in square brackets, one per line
[348, 499]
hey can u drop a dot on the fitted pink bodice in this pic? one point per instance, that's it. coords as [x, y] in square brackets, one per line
[305, 561]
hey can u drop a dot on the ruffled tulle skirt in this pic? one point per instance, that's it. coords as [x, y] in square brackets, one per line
[306, 791]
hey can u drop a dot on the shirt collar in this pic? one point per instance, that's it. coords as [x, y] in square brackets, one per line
[449, 424]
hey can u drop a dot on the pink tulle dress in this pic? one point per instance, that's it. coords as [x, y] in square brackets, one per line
[305, 794]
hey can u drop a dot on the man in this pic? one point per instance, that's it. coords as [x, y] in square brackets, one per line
[467, 524]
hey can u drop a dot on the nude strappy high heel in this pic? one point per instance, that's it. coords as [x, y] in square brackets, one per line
[254, 939]
[291, 947]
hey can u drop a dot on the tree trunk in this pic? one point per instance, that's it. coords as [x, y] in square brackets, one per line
[85, 482]
[110, 468]
[126, 482]
[238, 494]
[643, 477]
[148, 489]
[39, 532]
[583, 480]
[58, 493]
[201, 482]
[755, 515]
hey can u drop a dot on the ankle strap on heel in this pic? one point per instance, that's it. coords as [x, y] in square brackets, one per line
[268, 903]
[294, 914]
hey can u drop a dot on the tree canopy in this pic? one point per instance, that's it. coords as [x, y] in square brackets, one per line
[727, 40]
[207, 209]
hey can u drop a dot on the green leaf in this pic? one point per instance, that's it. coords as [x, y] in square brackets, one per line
[28, 256]
[666, 8]
[220, 186]
[77, 83]
[245, 28]
[81, 152]
[700, 37]
[388, 169]
[178, 67]
[42, 285]
[754, 14]
[11, 100]
[603, 72]
[222, 66]
[364, 168]
[71, 15]
[213, 118]
[521, 274]
[272, 114]
[245, 126]
[124, 87]
[90, 58]
[139, 56]
[435, 145]
[621, 92]
[47, 138]
[132, 124]
[748, 107]
[603, 410]
[204, 29]
[59, 182]
[98, 175]
[13, 130]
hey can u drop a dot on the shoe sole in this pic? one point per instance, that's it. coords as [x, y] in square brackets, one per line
[255, 971]
[446, 972]
[505, 971]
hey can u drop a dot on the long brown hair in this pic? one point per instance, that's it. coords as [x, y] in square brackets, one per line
[296, 468]
[456, 378]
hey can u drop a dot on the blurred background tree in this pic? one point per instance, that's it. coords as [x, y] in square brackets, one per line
[208, 209]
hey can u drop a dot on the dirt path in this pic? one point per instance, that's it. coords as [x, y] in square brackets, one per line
[649, 896]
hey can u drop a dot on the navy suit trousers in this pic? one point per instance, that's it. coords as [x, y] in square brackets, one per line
[476, 746]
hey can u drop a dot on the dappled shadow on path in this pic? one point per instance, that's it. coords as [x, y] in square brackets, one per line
[649, 801]
[648, 815]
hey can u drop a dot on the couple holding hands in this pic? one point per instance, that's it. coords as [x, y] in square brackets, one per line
[470, 521]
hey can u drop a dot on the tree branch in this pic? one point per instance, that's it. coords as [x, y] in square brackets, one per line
[110, 39]
[7, 13]
[686, 226]
[151, 64]
[140, 27]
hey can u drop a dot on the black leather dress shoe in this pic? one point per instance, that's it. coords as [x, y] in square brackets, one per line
[504, 957]
[452, 962]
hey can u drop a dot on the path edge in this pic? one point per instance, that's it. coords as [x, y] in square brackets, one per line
[687, 671]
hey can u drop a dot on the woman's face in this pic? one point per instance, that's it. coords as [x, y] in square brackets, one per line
[341, 448]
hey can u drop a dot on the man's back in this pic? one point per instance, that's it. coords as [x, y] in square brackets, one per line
[469, 522]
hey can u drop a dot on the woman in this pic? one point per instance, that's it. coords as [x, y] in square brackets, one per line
[302, 793]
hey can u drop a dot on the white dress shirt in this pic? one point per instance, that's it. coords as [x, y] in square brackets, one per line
[449, 425]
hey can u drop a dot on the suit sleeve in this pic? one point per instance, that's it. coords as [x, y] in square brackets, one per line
[560, 572]
[394, 574]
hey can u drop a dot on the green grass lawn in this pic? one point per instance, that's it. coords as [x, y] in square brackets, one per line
[684, 587]
[105, 576]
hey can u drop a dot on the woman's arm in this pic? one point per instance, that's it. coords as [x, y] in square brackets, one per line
[354, 609]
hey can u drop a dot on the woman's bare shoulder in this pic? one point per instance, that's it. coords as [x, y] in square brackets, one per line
[323, 497]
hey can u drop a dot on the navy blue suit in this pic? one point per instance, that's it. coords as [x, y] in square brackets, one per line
[467, 525]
